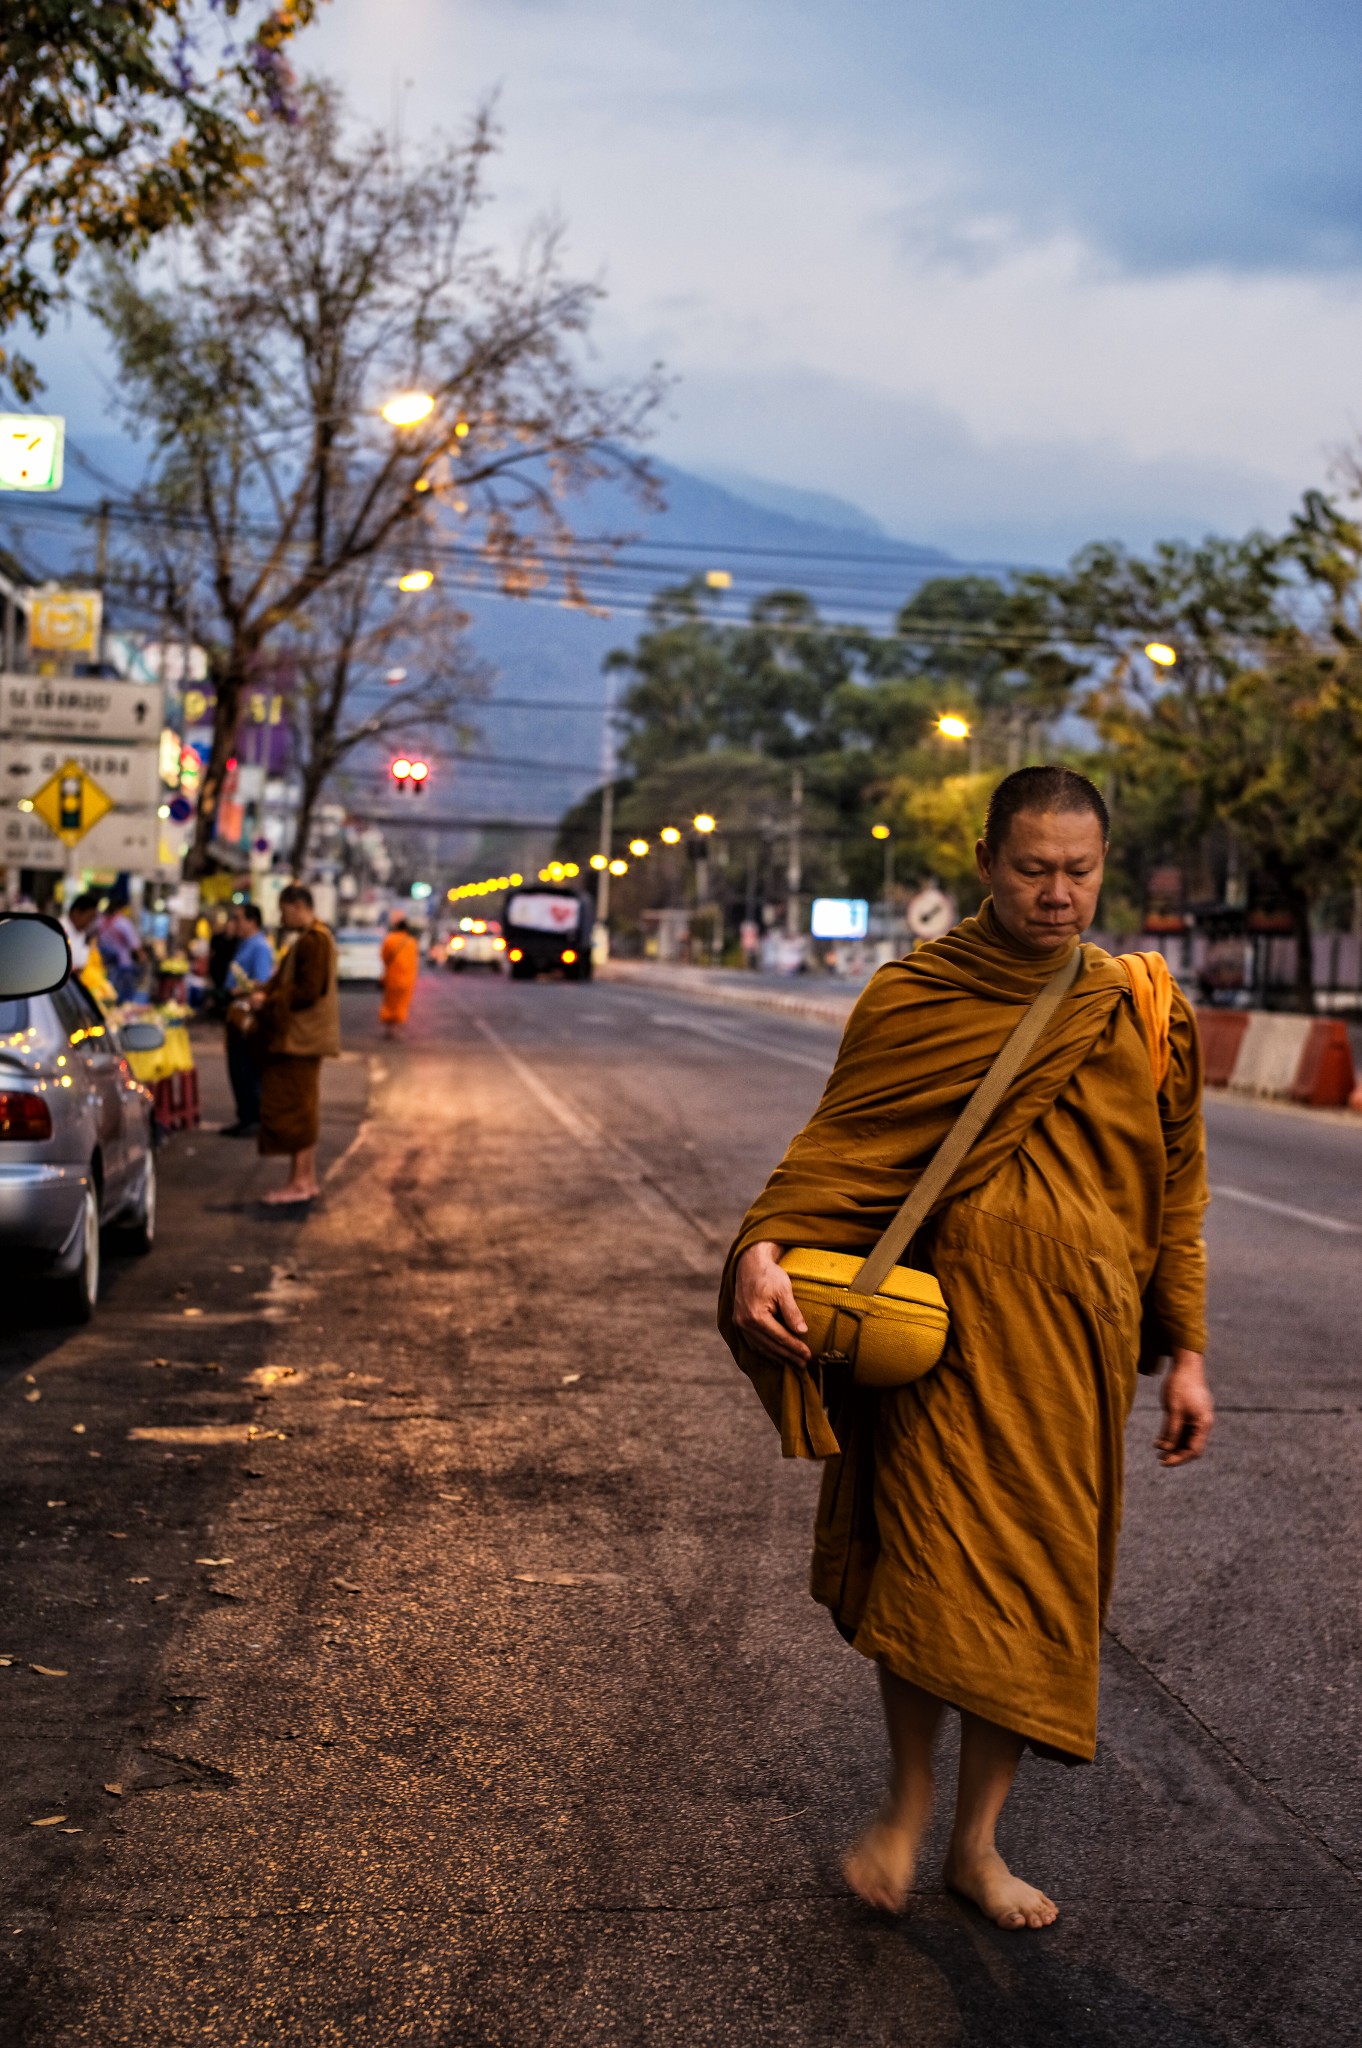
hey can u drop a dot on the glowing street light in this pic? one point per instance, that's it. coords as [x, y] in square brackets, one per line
[638, 847]
[416, 579]
[408, 408]
[952, 726]
[879, 831]
[669, 836]
[619, 867]
[599, 861]
[719, 579]
[1161, 654]
[704, 823]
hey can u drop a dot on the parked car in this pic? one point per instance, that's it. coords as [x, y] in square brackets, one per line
[477, 943]
[359, 953]
[76, 1139]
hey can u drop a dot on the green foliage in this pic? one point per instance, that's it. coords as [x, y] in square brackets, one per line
[117, 122]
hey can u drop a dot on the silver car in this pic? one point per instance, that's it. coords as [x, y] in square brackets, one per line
[76, 1140]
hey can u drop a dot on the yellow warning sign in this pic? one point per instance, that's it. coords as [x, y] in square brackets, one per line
[70, 802]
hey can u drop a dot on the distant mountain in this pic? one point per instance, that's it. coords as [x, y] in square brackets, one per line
[853, 570]
[820, 508]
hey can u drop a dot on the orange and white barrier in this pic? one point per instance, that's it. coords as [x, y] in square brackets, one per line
[1294, 1059]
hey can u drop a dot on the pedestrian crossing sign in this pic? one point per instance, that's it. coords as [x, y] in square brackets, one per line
[70, 802]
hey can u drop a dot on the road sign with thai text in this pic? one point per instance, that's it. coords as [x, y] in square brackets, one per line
[80, 708]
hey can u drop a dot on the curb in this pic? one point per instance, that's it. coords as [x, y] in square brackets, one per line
[697, 983]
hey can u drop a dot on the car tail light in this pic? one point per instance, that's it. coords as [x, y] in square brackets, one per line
[569, 958]
[26, 1117]
[498, 945]
[516, 954]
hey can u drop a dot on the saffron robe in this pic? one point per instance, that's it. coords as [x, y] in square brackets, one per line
[401, 956]
[967, 1524]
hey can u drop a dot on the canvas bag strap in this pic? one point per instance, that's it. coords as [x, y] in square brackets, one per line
[954, 1147]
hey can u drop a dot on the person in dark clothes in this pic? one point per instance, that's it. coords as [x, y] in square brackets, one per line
[299, 1019]
[251, 966]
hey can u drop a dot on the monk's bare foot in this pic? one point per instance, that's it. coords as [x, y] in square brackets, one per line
[879, 1868]
[283, 1197]
[1006, 1900]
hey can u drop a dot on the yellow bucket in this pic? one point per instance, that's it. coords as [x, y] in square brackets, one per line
[890, 1338]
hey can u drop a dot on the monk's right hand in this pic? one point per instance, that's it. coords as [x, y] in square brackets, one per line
[765, 1309]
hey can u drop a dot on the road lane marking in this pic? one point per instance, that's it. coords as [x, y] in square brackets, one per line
[625, 1166]
[1335, 1223]
[740, 1038]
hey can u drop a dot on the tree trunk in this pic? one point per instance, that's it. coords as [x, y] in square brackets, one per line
[312, 784]
[229, 685]
[1305, 952]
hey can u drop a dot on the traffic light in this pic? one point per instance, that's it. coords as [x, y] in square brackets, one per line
[408, 775]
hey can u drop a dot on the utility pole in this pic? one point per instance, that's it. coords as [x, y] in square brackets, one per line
[600, 941]
[794, 873]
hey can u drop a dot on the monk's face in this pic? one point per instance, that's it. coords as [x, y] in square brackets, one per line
[1046, 876]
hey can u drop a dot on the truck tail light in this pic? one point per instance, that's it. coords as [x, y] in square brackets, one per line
[25, 1117]
[516, 954]
[569, 958]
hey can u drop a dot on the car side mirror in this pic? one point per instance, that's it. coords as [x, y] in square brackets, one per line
[141, 1038]
[34, 955]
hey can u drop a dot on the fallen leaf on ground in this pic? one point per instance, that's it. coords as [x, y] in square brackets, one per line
[73, 1831]
[256, 1436]
[215, 1560]
[49, 1820]
[449, 1496]
[56, 1503]
[571, 1578]
[347, 1586]
[117, 1790]
[33, 1394]
[160, 1361]
[117, 1535]
[77, 1429]
[6, 1661]
[266, 1376]
[141, 1581]
[48, 1671]
[160, 1596]
[191, 1311]
[570, 1378]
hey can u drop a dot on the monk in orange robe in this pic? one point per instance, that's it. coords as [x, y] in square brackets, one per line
[967, 1524]
[401, 956]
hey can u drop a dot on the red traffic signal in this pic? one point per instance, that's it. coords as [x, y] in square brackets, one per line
[409, 774]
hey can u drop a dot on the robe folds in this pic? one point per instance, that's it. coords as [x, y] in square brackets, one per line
[967, 1524]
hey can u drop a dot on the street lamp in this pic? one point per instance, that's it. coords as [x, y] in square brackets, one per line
[416, 579]
[883, 833]
[599, 861]
[669, 836]
[619, 867]
[952, 726]
[1161, 654]
[704, 823]
[408, 408]
[638, 847]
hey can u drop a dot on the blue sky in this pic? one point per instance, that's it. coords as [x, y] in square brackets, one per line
[1009, 277]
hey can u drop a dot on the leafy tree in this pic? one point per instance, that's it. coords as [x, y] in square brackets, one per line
[344, 275]
[117, 122]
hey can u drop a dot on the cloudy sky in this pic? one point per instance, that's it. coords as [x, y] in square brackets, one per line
[1009, 277]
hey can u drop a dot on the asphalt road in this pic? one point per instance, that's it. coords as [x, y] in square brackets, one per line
[427, 1583]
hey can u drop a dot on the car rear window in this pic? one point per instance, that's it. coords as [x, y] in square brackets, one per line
[13, 1015]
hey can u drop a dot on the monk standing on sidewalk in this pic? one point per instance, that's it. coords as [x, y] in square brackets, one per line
[967, 1524]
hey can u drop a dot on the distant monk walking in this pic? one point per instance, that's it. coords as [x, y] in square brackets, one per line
[967, 1524]
[401, 955]
[300, 1027]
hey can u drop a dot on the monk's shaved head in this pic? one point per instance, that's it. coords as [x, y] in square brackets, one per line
[1042, 789]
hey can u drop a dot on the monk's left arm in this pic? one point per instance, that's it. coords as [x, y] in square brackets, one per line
[1177, 1291]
